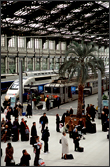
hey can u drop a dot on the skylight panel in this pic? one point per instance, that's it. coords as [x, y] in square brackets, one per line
[104, 4]
[89, 14]
[35, 25]
[76, 10]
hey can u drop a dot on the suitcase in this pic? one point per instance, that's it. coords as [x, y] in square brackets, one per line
[93, 128]
[41, 162]
[69, 156]
[104, 127]
[14, 139]
[81, 149]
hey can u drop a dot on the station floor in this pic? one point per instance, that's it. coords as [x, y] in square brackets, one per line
[96, 146]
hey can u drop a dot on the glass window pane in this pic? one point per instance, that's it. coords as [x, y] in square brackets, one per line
[30, 64]
[2, 65]
[37, 64]
[11, 65]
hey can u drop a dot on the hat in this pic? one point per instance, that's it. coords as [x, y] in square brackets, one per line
[9, 107]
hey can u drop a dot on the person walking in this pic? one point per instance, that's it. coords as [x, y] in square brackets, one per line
[65, 147]
[9, 154]
[25, 159]
[43, 121]
[45, 138]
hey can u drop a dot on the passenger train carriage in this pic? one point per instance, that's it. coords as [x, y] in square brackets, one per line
[38, 78]
[68, 91]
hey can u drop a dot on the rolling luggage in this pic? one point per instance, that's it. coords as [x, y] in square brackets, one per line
[104, 127]
[41, 162]
[81, 149]
[93, 128]
[69, 156]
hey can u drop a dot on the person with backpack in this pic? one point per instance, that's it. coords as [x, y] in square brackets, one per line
[45, 138]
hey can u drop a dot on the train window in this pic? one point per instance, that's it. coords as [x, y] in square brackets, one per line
[56, 90]
[48, 89]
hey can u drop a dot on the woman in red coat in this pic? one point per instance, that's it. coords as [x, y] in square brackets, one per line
[9, 154]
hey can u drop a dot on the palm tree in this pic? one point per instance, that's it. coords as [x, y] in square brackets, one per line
[78, 64]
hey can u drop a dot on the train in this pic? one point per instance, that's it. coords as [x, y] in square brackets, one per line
[36, 78]
[68, 91]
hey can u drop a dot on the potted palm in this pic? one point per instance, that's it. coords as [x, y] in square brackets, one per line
[82, 58]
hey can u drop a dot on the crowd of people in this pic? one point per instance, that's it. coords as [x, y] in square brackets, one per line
[12, 130]
[76, 131]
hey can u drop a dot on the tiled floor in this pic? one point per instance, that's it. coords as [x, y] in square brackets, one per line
[96, 146]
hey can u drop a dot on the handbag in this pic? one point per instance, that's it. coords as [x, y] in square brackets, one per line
[12, 162]
[60, 141]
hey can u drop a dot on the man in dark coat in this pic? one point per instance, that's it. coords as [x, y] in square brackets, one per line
[43, 120]
[45, 138]
[22, 129]
[63, 118]
[103, 119]
[71, 111]
[29, 110]
[57, 122]
[25, 159]
[15, 113]
[92, 112]
[15, 130]
[34, 130]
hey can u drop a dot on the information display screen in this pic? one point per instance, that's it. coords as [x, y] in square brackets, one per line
[13, 99]
[40, 89]
[73, 89]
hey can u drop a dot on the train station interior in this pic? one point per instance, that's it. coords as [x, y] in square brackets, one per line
[38, 34]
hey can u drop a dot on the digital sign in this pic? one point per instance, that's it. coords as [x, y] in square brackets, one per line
[73, 89]
[40, 89]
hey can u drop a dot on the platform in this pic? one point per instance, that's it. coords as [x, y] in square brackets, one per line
[96, 146]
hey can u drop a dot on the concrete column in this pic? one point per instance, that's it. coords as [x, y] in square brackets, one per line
[99, 94]
[25, 63]
[16, 64]
[6, 64]
[20, 83]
